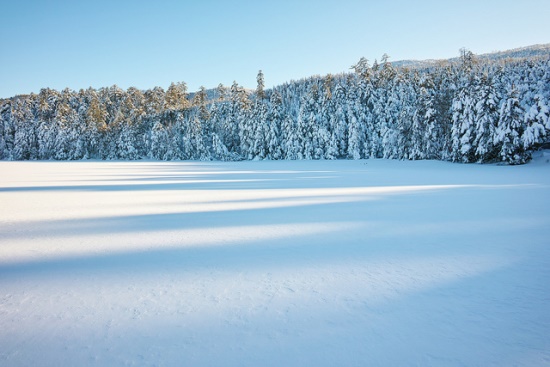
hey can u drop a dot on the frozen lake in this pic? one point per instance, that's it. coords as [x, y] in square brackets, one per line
[296, 263]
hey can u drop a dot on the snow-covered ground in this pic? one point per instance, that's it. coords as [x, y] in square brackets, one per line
[302, 263]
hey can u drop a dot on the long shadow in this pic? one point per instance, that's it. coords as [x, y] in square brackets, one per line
[334, 246]
[244, 254]
[243, 182]
[308, 213]
[161, 259]
[338, 243]
[277, 210]
[183, 176]
[212, 176]
[503, 309]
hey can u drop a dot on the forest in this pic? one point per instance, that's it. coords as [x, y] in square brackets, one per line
[469, 110]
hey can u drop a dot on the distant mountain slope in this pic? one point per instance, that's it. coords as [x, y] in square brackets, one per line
[527, 52]
[533, 51]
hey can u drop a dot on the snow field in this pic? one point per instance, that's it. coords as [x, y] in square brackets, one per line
[294, 263]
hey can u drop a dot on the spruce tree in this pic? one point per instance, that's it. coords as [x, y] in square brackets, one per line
[486, 117]
[510, 129]
[260, 93]
[537, 124]
[274, 121]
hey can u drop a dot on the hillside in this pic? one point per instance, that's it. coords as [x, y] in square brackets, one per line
[529, 52]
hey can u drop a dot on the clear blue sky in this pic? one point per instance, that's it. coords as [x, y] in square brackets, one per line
[98, 43]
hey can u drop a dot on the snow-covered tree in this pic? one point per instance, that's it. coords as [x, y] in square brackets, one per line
[461, 110]
[274, 119]
[175, 97]
[486, 119]
[510, 129]
[537, 123]
[159, 141]
[463, 124]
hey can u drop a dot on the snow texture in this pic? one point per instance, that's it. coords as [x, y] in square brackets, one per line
[274, 263]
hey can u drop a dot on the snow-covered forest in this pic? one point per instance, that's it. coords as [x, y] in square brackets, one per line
[469, 110]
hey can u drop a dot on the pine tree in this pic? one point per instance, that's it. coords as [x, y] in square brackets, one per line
[340, 122]
[236, 123]
[176, 97]
[467, 60]
[428, 146]
[274, 121]
[537, 124]
[154, 101]
[202, 129]
[47, 129]
[219, 150]
[174, 134]
[25, 140]
[464, 122]
[221, 92]
[486, 116]
[362, 68]
[405, 122]
[258, 130]
[65, 118]
[96, 124]
[291, 140]
[260, 93]
[159, 141]
[389, 126]
[355, 125]
[257, 125]
[510, 129]
[307, 124]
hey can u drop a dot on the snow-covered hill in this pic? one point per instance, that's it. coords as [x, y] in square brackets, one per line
[274, 263]
[528, 52]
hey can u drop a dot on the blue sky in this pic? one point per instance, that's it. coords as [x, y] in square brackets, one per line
[98, 43]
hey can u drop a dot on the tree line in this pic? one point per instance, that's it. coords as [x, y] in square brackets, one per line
[469, 110]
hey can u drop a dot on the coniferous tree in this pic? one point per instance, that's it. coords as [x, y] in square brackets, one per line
[537, 123]
[96, 125]
[355, 128]
[389, 126]
[25, 140]
[239, 105]
[486, 116]
[175, 97]
[258, 122]
[463, 124]
[159, 141]
[405, 122]
[291, 143]
[462, 111]
[328, 115]
[8, 129]
[509, 130]
[154, 101]
[428, 138]
[219, 150]
[274, 119]
[340, 123]
[65, 118]
[260, 93]
[201, 130]
[258, 130]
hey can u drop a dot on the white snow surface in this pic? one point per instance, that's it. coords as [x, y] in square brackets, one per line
[274, 263]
